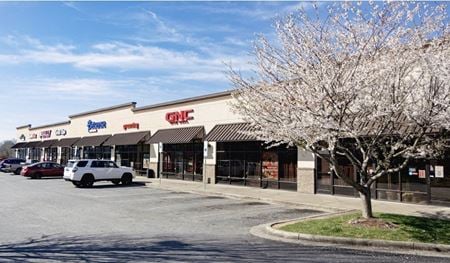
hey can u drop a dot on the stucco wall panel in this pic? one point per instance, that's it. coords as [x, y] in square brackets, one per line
[206, 112]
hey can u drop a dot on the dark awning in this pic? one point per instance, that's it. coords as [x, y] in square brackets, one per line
[92, 140]
[33, 144]
[232, 132]
[66, 142]
[131, 138]
[178, 135]
[19, 145]
[46, 144]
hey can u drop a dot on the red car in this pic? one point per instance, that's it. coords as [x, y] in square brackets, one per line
[43, 169]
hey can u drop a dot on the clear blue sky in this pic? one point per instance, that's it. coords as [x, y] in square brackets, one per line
[58, 59]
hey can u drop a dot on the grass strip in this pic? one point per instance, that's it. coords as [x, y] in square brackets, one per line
[407, 228]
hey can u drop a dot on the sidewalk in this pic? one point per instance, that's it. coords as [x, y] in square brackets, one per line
[328, 203]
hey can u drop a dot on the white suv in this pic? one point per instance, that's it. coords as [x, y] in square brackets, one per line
[83, 173]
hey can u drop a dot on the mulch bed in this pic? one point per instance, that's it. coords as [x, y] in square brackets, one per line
[372, 222]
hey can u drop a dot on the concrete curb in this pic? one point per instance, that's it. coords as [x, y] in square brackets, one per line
[388, 244]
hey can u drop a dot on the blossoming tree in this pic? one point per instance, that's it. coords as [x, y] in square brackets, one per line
[368, 83]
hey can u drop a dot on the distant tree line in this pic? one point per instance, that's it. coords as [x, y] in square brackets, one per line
[5, 149]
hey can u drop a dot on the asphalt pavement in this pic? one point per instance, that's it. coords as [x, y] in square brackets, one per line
[49, 220]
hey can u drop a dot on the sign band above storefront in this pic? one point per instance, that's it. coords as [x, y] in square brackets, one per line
[133, 125]
[94, 126]
[179, 117]
[46, 134]
[60, 132]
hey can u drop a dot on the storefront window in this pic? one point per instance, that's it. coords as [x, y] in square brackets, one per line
[183, 161]
[131, 155]
[35, 154]
[388, 187]
[22, 153]
[67, 153]
[250, 163]
[420, 182]
[440, 179]
[239, 163]
[51, 154]
[339, 185]
[414, 183]
[97, 152]
[323, 176]
[288, 168]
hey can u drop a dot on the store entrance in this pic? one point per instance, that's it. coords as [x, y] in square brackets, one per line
[183, 161]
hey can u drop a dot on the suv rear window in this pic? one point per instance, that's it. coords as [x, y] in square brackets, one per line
[70, 164]
[82, 164]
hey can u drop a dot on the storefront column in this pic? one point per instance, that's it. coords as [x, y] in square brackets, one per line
[58, 154]
[154, 159]
[113, 153]
[305, 171]
[27, 155]
[78, 152]
[42, 154]
[209, 174]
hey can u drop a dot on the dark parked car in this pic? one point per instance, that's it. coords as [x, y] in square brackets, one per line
[18, 168]
[10, 164]
[43, 169]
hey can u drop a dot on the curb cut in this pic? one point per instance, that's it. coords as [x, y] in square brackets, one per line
[361, 242]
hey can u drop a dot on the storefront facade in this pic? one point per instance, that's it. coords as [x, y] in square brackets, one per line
[422, 181]
[201, 139]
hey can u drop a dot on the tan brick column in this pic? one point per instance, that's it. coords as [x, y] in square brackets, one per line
[305, 171]
[209, 173]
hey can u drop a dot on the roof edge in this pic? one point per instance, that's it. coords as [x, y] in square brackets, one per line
[124, 105]
[191, 99]
[24, 126]
[49, 125]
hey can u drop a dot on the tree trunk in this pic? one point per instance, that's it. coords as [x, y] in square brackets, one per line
[367, 203]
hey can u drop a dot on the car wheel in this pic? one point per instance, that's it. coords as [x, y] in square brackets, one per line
[127, 179]
[37, 176]
[116, 181]
[87, 180]
[17, 171]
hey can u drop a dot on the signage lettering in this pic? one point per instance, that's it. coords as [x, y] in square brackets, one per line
[60, 132]
[178, 117]
[94, 126]
[33, 135]
[22, 137]
[131, 126]
[46, 134]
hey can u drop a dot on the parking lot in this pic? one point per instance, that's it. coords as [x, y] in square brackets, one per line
[50, 220]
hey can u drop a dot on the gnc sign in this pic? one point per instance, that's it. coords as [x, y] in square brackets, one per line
[177, 117]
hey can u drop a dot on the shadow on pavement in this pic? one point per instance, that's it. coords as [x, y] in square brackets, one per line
[110, 185]
[120, 249]
[45, 178]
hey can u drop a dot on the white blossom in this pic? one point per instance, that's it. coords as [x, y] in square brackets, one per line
[370, 82]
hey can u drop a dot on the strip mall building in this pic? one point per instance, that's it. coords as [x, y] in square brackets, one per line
[200, 139]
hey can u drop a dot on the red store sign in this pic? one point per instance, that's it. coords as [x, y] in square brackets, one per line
[133, 125]
[46, 134]
[178, 117]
